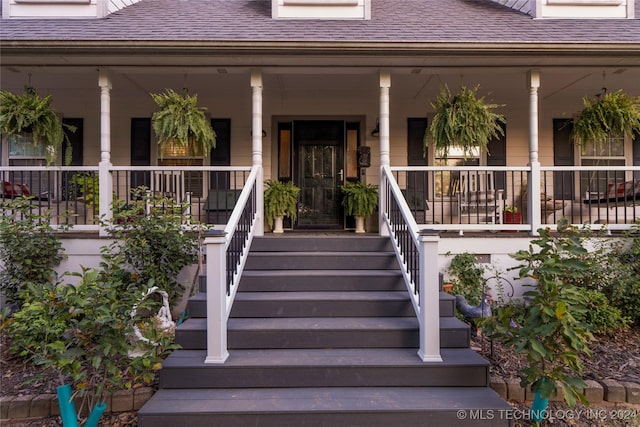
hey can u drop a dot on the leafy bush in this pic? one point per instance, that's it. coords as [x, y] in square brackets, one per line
[467, 276]
[550, 332]
[600, 315]
[150, 246]
[613, 267]
[30, 248]
[83, 333]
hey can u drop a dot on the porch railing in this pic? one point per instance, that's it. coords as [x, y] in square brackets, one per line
[227, 252]
[72, 194]
[597, 196]
[417, 253]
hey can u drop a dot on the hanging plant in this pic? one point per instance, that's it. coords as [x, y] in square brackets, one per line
[181, 123]
[614, 114]
[463, 121]
[31, 114]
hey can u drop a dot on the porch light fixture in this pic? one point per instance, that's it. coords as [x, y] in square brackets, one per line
[376, 131]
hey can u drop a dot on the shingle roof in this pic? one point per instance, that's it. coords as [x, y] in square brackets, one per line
[406, 21]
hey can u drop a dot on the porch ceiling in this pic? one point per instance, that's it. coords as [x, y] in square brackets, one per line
[409, 81]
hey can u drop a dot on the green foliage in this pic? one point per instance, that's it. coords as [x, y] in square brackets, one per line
[83, 333]
[87, 185]
[179, 120]
[613, 269]
[463, 121]
[600, 315]
[29, 113]
[150, 246]
[467, 276]
[30, 248]
[359, 198]
[280, 199]
[550, 332]
[613, 114]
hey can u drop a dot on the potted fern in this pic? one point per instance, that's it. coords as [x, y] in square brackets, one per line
[360, 200]
[614, 114]
[280, 200]
[32, 117]
[181, 126]
[463, 121]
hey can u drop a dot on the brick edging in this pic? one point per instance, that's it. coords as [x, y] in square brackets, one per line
[46, 405]
[597, 392]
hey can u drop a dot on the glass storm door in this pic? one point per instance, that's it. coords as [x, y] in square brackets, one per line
[319, 172]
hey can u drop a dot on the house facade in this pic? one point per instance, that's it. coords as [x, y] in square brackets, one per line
[321, 92]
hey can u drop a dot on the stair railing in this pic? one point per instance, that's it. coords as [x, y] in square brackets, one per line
[417, 253]
[227, 252]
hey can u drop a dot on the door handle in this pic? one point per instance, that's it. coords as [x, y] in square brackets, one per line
[341, 174]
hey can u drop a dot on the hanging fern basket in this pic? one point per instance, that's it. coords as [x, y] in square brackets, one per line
[182, 128]
[614, 114]
[463, 121]
[31, 118]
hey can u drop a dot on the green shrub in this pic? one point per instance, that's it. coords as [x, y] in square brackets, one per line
[150, 247]
[466, 274]
[600, 315]
[83, 333]
[30, 248]
[613, 267]
[550, 333]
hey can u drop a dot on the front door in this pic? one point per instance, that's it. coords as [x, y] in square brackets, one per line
[319, 172]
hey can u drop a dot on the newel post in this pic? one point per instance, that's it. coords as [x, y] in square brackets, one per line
[216, 297]
[429, 316]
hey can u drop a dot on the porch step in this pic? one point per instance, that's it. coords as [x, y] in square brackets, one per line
[321, 260]
[321, 280]
[322, 332]
[351, 367]
[323, 406]
[320, 304]
[321, 243]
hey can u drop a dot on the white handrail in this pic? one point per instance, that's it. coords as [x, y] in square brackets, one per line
[220, 290]
[422, 282]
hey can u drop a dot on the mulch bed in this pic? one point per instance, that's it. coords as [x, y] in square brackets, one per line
[614, 356]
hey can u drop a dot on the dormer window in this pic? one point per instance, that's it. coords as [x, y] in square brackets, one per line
[321, 9]
[62, 8]
[584, 9]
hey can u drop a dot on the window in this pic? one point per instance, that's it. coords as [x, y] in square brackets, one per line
[447, 181]
[24, 147]
[610, 153]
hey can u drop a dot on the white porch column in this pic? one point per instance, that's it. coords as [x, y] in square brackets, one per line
[105, 182]
[216, 297]
[429, 318]
[256, 145]
[385, 86]
[533, 81]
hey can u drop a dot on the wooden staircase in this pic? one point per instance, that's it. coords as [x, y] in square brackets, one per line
[323, 333]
